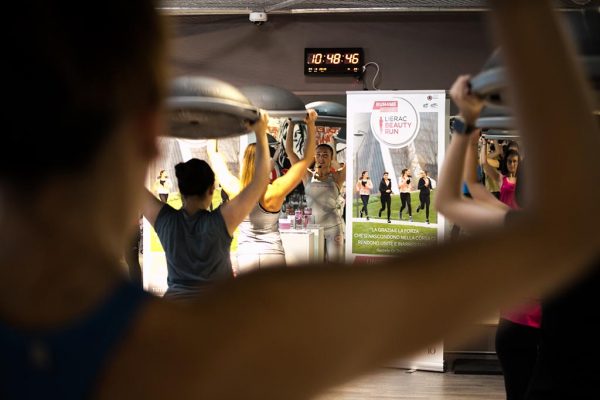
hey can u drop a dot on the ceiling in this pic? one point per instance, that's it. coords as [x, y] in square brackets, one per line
[216, 7]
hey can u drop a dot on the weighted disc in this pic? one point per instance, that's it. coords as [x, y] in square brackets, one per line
[278, 102]
[201, 107]
[341, 136]
[330, 113]
[499, 134]
[495, 117]
[584, 26]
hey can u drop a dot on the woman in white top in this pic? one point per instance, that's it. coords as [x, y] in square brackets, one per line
[322, 187]
[364, 187]
[259, 242]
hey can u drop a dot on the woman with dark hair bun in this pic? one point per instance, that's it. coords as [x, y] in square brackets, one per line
[197, 241]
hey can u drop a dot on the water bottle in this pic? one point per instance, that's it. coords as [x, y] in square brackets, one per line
[307, 216]
[298, 219]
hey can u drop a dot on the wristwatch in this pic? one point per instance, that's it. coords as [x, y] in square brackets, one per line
[459, 125]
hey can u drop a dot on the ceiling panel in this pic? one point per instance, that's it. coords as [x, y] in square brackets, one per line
[300, 6]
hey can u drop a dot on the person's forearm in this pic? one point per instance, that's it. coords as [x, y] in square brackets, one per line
[528, 33]
[261, 163]
[487, 168]
[289, 144]
[497, 151]
[450, 181]
[310, 143]
[230, 183]
[470, 167]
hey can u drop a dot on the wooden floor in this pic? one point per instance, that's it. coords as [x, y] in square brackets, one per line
[393, 383]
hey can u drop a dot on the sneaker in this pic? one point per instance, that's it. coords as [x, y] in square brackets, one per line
[427, 220]
[418, 208]
[367, 217]
[380, 213]
[410, 218]
[361, 214]
[389, 221]
[400, 216]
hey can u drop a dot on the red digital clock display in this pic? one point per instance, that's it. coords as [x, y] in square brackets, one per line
[333, 61]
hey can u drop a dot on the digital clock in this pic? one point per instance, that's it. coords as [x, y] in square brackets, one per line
[333, 61]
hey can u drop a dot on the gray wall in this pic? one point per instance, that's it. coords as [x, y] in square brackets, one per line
[414, 51]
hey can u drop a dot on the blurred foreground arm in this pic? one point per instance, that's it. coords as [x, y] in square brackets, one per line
[292, 332]
[470, 214]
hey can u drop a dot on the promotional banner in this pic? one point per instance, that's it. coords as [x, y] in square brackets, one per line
[395, 145]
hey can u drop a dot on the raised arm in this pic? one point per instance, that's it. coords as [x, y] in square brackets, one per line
[229, 182]
[346, 321]
[235, 210]
[488, 169]
[478, 191]
[469, 214]
[340, 173]
[283, 185]
[151, 206]
[492, 156]
[289, 143]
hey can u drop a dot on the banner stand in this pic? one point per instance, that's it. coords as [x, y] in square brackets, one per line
[403, 134]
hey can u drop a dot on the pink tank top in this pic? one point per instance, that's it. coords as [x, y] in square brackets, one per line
[507, 193]
[530, 312]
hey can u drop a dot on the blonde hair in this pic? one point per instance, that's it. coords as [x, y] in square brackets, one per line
[248, 165]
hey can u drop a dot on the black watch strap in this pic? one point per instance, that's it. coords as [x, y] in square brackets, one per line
[459, 126]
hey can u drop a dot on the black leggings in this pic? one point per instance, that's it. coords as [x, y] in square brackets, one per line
[365, 201]
[425, 199]
[405, 198]
[386, 202]
[517, 349]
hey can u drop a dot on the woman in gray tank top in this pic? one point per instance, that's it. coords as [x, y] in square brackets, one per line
[259, 241]
[197, 241]
[322, 188]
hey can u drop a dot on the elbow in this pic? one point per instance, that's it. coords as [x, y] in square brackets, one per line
[442, 205]
[447, 208]
[446, 199]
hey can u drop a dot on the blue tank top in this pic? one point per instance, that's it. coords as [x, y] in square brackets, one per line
[65, 363]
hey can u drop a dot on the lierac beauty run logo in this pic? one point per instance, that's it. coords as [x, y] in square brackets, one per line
[395, 123]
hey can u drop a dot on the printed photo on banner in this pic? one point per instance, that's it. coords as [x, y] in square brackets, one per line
[396, 143]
